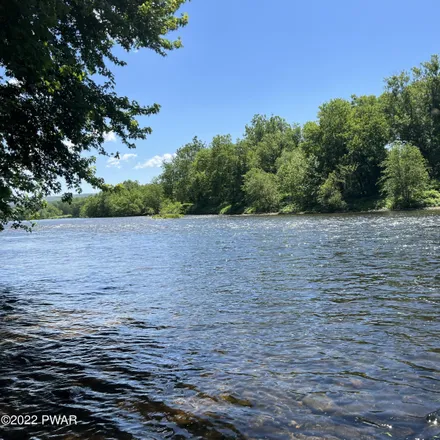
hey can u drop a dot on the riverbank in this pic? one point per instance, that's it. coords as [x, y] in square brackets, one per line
[369, 211]
[303, 213]
[263, 214]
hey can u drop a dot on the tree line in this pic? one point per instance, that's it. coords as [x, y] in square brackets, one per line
[368, 152]
[126, 199]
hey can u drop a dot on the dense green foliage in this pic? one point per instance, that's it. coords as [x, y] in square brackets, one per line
[364, 153]
[261, 191]
[340, 161]
[126, 199]
[123, 200]
[405, 175]
[57, 92]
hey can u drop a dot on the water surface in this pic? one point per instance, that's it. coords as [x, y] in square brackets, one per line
[223, 327]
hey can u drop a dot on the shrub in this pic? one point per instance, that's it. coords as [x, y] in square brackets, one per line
[169, 207]
[431, 198]
[330, 195]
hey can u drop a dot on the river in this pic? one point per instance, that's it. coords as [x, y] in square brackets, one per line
[265, 327]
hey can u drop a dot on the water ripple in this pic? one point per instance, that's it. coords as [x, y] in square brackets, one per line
[223, 327]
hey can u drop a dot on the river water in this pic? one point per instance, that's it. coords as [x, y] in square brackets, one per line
[274, 327]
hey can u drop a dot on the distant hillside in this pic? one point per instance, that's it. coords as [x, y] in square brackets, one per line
[75, 196]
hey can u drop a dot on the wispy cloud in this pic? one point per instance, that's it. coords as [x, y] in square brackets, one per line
[116, 163]
[156, 161]
[110, 137]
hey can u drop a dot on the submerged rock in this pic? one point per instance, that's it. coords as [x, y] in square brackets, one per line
[235, 400]
[319, 402]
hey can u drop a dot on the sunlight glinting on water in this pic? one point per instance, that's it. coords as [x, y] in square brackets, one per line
[298, 327]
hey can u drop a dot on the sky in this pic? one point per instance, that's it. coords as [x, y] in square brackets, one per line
[281, 57]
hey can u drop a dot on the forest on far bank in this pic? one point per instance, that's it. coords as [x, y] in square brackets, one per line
[369, 152]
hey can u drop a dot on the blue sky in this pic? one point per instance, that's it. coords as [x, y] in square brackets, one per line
[282, 57]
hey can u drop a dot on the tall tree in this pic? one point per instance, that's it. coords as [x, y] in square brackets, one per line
[57, 92]
[368, 133]
[224, 171]
[297, 178]
[267, 138]
[405, 175]
[413, 108]
[176, 177]
[327, 138]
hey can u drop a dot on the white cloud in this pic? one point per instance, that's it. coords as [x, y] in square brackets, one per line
[116, 163]
[128, 156]
[113, 162]
[110, 137]
[156, 161]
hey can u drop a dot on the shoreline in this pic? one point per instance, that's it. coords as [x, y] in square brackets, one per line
[371, 211]
[260, 214]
